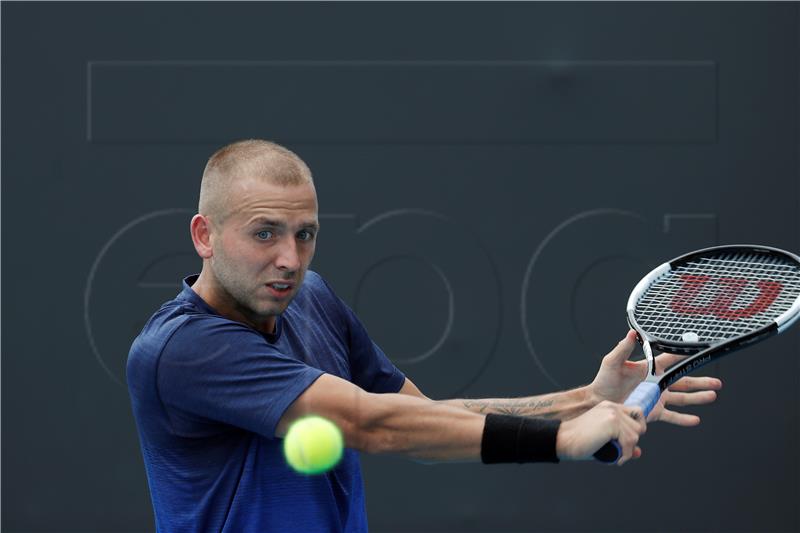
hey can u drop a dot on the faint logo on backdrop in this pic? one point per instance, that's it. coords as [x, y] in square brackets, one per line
[576, 285]
[425, 288]
[137, 269]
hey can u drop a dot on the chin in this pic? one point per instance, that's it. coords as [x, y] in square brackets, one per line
[274, 310]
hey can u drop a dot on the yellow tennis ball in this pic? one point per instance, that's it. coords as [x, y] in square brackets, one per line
[313, 445]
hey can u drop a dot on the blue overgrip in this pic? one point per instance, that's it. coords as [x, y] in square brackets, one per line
[646, 396]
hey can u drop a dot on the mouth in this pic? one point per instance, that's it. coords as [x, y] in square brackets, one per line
[279, 289]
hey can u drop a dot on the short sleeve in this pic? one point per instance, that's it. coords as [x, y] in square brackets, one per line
[218, 370]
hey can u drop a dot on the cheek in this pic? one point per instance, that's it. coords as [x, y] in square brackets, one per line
[239, 255]
[310, 252]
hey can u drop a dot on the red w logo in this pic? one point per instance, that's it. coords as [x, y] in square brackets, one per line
[728, 290]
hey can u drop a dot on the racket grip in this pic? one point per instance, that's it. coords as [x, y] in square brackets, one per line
[646, 396]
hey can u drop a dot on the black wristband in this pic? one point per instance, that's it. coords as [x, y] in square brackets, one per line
[518, 439]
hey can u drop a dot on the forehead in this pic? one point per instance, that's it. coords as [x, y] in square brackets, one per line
[251, 199]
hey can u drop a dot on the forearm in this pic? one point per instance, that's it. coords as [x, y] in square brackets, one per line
[558, 405]
[425, 430]
[392, 423]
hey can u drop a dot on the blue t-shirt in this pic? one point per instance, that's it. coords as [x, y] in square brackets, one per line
[207, 395]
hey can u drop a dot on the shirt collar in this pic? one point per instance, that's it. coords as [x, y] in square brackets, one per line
[189, 295]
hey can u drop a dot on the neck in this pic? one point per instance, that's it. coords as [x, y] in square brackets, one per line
[215, 297]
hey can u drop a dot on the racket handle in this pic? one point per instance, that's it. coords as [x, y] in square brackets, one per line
[646, 396]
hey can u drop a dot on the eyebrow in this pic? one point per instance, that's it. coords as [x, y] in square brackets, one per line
[265, 221]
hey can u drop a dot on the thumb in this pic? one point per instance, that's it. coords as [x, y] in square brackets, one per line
[622, 351]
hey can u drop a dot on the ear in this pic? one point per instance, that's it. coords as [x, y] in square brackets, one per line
[200, 228]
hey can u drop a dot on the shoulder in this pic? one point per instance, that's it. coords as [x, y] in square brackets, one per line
[160, 328]
[317, 289]
[315, 282]
[180, 335]
[318, 302]
[203, 333]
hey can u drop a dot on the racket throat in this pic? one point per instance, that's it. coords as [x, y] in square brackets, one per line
[651, 361]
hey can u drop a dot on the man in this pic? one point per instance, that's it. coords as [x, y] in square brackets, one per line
[257, 340]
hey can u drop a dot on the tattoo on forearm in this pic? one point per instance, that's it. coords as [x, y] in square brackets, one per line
[509, 407]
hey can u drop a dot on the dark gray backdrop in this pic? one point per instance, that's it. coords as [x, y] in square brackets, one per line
[493, 178]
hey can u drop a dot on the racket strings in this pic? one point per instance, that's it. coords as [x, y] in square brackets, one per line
[713, 298]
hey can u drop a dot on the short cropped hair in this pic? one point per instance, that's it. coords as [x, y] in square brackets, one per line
[247, 158]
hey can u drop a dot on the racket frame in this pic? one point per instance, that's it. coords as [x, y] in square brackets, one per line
[698, 353]
[701, 353]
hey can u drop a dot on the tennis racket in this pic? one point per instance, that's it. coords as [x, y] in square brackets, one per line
[704, 305]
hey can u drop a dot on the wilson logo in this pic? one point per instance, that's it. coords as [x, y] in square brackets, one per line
[727, 290]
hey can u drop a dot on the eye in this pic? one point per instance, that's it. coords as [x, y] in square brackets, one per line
[305, 235]
[264, 235]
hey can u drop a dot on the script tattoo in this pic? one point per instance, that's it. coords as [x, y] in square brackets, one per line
[510, 407]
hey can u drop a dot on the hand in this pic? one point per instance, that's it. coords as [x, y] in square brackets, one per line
[617, 377]
[580, 437]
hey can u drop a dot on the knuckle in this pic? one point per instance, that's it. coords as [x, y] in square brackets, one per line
[633, 439]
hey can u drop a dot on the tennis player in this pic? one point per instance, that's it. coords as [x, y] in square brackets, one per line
[256, 340]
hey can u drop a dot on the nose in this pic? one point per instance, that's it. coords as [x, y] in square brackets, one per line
[288, 259]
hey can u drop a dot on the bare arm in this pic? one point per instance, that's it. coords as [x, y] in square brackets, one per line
[561, 405]
[391, 423]
[430, 431]
[616, 379]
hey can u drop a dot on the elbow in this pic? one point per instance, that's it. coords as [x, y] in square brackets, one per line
[375, 431]
[384, 441]
[361, 427]
[376, 443]
[378, 439]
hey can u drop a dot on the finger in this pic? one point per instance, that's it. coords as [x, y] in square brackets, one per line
[630, 432]
[689, 383]
[637, 452]
[626, 432]
[689, 398]
[628, 439]
[679, 419]
[636, 419]
[622, 351]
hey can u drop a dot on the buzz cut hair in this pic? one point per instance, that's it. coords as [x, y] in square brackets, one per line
[249, 158]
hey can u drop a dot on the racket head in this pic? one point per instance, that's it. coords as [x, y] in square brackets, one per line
[714, 295]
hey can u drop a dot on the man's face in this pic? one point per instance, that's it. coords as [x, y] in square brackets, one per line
[265, 247]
